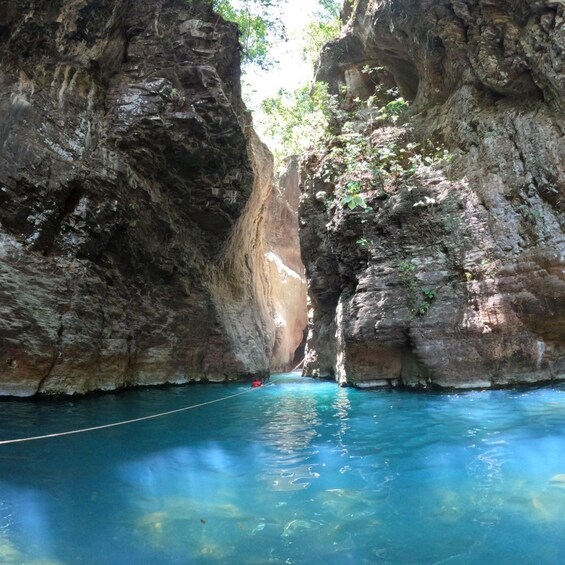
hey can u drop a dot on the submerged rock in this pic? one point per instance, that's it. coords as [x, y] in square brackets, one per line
[454, 276]
[131, 241]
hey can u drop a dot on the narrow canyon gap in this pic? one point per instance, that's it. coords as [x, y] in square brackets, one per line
[143, 240]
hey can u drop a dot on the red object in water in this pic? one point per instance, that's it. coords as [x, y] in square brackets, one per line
[256, 383]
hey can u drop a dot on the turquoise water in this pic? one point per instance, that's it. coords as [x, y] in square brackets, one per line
[296, 472]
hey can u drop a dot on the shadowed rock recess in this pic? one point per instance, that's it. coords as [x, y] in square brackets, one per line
[454, 277]
[132, 192]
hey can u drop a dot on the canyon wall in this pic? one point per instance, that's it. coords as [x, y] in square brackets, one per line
[432, 224]
[132, 192]
[286, 269]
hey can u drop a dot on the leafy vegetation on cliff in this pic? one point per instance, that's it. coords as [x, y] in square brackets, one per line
[325, 27]
[295, 120]
[259, 26]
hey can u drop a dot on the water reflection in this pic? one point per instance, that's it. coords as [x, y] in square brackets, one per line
[295, 473]
[291, 424]
[290, 428]
[342, 406]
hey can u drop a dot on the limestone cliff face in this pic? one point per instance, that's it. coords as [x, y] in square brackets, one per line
[455, 276]
[130, 238]
[259, 287]
[285, 268]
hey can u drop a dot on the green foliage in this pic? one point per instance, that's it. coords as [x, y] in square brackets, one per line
[353, 201]
[394, 109]
[364, 243]
[378, 167]
[421, 308]
[368, 70]
[494, 132]
[258, 23]
[260, 27]
[351, 197]
[296, 120]
[429, 294]
[329, 9]
[353, 187]
[424, 305]
[177, 98]
[358, 164]
[407, 268]
[419, 299]
[408, 274]
[409, 281]
[382, 167]
[528, 213]
[325, 27]
[293, 121]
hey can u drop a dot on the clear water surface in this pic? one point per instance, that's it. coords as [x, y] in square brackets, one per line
[296, 472]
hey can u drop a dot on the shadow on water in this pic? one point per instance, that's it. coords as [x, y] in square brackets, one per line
[299, 471]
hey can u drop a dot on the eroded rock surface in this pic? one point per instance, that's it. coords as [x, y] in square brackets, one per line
[286, 269]
[131, 251]
[455, 276]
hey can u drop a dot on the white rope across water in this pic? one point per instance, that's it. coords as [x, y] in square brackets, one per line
[125, 422]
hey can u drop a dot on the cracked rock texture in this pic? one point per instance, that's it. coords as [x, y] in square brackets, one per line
[132, 244]
[483, 228]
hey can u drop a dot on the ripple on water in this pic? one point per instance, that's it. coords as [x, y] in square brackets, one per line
[298, 472]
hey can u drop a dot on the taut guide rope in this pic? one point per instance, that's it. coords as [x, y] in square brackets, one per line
[125, 422]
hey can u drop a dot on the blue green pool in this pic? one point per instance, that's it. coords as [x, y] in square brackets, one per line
[299, 471]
